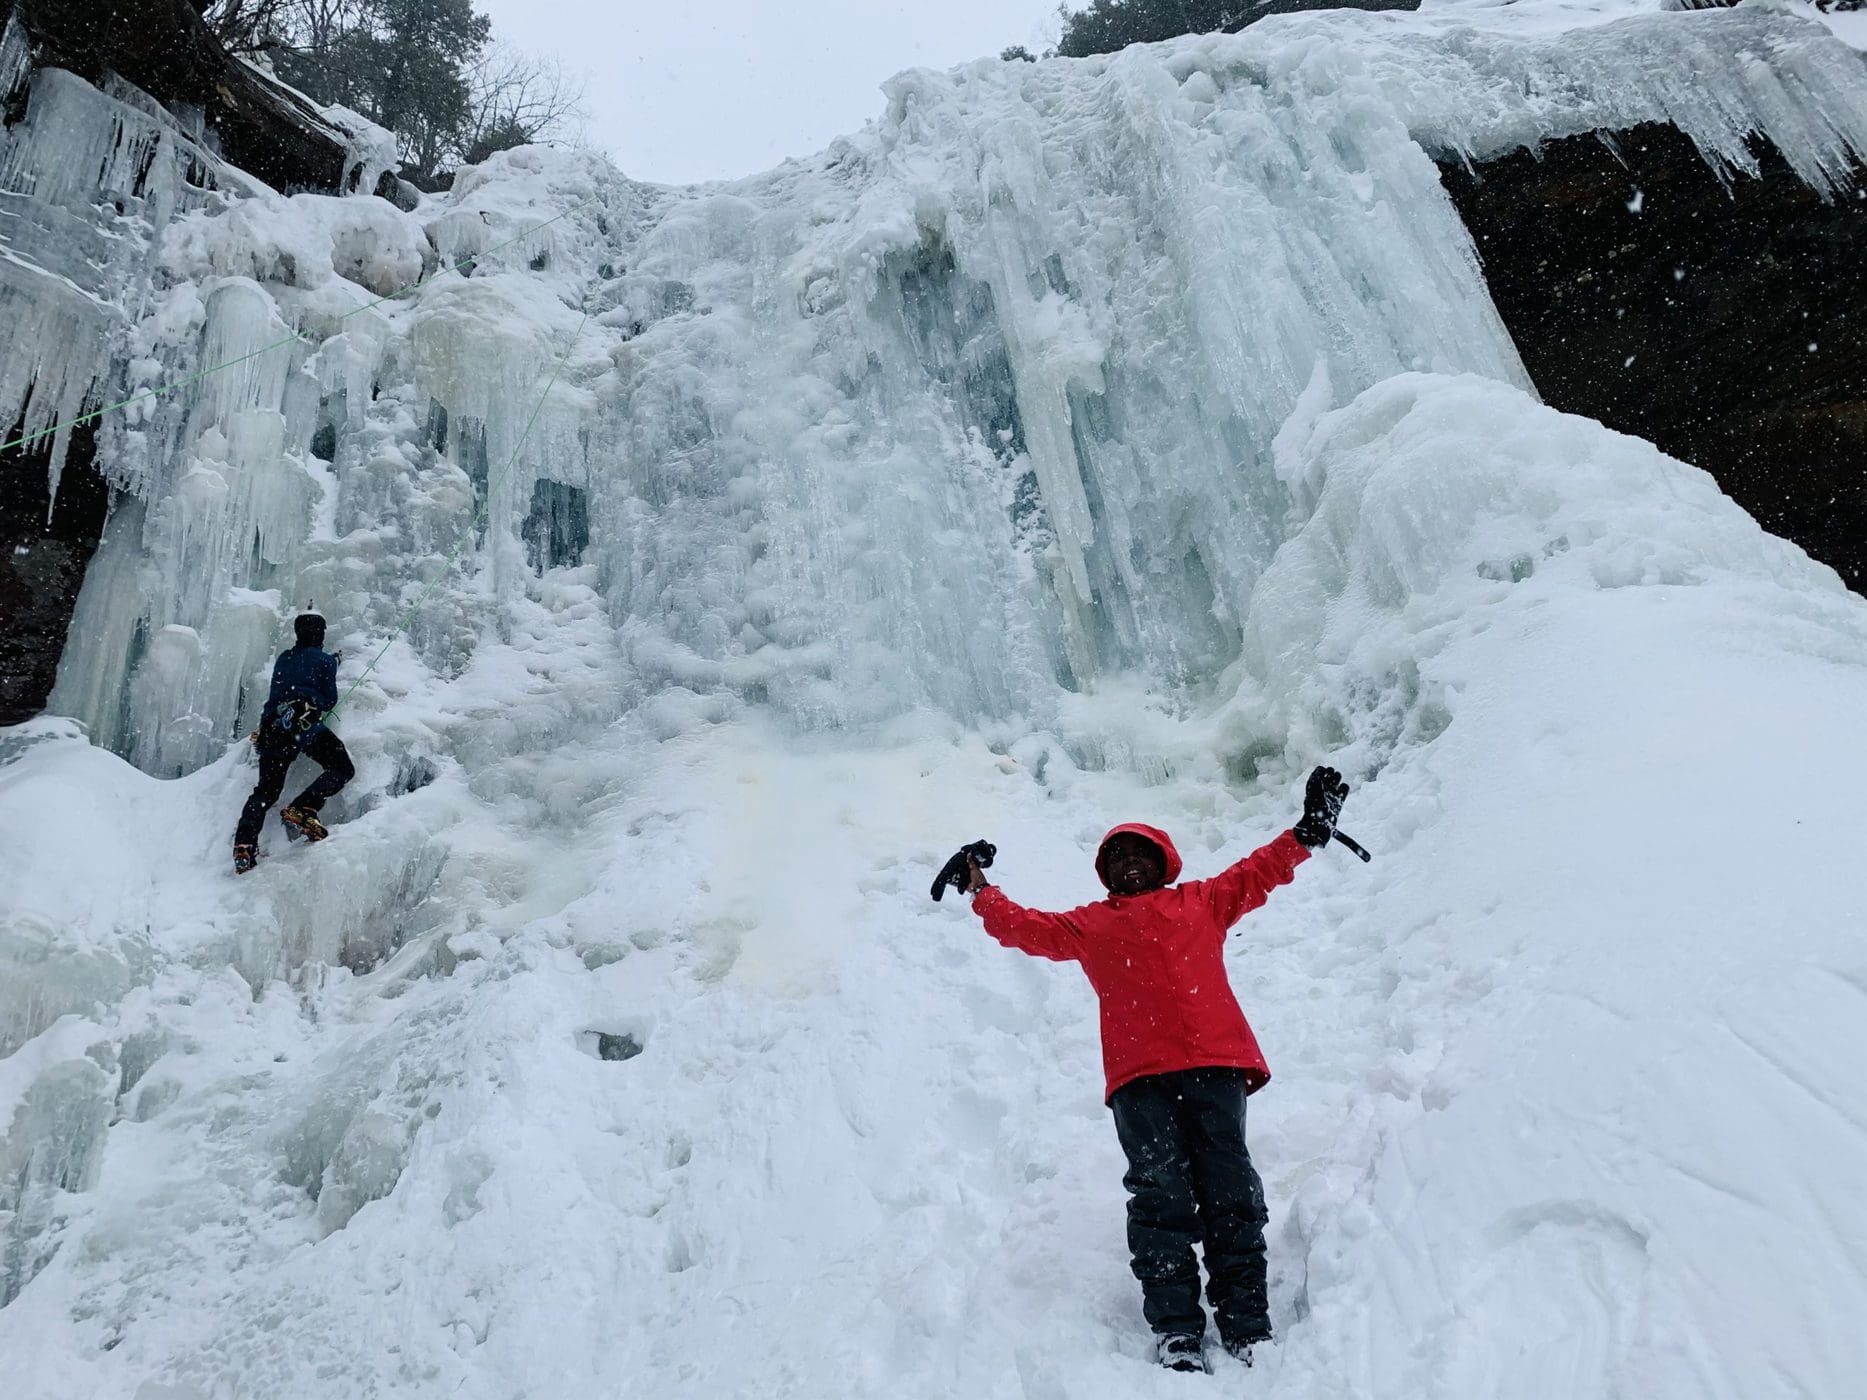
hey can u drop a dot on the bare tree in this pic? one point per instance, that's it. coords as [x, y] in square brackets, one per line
[320, 23]
[422, 68]
[245, 26]
[517, 97]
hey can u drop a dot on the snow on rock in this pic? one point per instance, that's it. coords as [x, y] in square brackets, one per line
[302, 241]
[372, 148]
[1082, 442]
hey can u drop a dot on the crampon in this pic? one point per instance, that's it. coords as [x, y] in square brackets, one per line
[300, 824]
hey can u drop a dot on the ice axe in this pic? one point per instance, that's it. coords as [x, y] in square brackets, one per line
[1353, 845]
[1323, 796]
[955, 873]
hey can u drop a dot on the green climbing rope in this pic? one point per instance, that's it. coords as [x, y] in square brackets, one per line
[292, 339]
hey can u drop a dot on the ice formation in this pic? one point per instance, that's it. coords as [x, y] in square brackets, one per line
[975, 407]
[1080, 437]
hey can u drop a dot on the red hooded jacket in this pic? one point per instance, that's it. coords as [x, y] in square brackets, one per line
[1157, 960]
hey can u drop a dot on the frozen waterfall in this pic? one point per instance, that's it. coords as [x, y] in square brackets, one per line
[973, 411]
[1081, 441]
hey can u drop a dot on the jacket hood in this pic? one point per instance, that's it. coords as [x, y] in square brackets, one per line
[1152, 833]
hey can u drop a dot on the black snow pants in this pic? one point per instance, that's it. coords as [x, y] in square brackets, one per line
[275, 760]
[1190, 1178]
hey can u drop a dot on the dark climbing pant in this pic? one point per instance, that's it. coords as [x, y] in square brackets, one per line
[275, 760]
[1190, 1178]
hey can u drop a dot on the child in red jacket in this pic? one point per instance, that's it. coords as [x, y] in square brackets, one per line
[1180, 1059]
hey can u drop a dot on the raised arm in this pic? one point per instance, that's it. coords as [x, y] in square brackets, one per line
[1055, 936]
[1235, 892]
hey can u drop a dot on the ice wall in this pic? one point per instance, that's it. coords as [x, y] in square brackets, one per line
[972, 411]
[87, 180]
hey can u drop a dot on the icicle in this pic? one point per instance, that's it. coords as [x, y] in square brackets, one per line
[975, 410]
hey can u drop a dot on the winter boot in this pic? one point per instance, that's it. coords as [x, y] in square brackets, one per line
[1240, 1350]
[244, 859]
[1180, 1352]
[299, 822]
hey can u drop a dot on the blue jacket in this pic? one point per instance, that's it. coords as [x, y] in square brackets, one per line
[302, 674]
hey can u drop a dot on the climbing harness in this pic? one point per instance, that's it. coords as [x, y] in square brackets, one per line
[296, 718]
[144, 395]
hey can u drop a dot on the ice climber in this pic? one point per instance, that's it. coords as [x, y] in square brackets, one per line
[304, 692]
[1180, 1060]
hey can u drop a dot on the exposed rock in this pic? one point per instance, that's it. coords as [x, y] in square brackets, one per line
[1722, 317]
[165, 49]
[80, 217]
[46, 550]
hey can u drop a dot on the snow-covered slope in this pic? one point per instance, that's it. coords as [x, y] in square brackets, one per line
[1082, 442]
[1563, 1090]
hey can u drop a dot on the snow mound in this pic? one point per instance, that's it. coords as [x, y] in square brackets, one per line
[1611, 915]
[1430, 505]
[302, 241]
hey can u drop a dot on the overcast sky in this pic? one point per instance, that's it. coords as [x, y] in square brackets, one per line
[677, 98]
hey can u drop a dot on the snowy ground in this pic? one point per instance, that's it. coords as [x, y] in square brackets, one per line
[1564, 1097]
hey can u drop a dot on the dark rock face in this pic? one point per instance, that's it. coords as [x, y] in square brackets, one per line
[68, 254]
[1727, 324]
[165, 48]
[43, 553]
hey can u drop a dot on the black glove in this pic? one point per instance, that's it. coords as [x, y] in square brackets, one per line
[1322, 804]
[956, 871]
